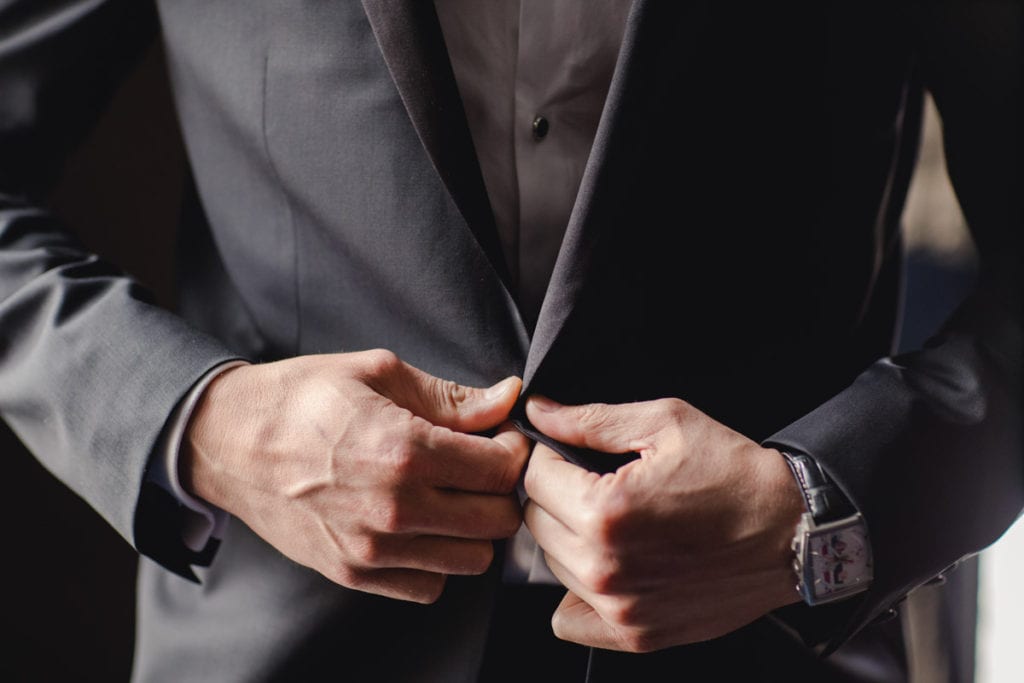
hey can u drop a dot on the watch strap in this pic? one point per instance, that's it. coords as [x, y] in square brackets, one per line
[823, 499]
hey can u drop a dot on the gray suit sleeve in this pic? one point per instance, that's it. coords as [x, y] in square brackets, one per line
[929, 445]
[90, 368]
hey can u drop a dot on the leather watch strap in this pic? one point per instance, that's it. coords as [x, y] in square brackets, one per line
[823, 498]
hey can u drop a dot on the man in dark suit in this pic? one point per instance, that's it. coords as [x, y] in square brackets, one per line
[743, 185]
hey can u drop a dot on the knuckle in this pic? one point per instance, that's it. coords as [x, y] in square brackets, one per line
[379, 362]
[343, 576]
[605, 522]
[625, 611]
[369, 552]
[505, 478]
[592, 525]
[404, 461]
[520, 457]
[639, 640]
[674, 408]
[388, 516]
[449, 395]
[481, 559]
[595, 578]
[603, 576]
[593, 416]
[498, 476]
[509, 523]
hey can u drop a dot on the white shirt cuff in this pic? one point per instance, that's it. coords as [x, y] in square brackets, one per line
[202, 520]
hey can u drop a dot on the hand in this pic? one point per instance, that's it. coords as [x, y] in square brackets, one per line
[687, 543]
[361, 467]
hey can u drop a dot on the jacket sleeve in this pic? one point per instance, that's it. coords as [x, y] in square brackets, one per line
[929, 445]
[90, 368]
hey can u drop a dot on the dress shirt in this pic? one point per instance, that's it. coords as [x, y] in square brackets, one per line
[202, 522]
[533, 76]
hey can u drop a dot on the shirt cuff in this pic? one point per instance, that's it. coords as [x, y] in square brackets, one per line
[202, 521]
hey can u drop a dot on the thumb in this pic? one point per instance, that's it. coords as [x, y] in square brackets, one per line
[610, 428]
[455, 406]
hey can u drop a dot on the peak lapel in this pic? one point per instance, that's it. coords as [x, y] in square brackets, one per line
[411, 41]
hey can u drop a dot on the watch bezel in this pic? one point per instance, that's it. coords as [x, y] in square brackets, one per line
[806, 529]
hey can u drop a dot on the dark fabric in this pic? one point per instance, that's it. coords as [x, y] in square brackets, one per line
[948, 417]
[735, 244]
[521, 645]
[761, 654]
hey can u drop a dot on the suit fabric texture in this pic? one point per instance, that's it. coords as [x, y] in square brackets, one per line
[745, 186]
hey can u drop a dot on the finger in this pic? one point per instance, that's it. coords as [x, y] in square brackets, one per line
[449, 404]
[474, 515]
[411, 585]
[618, 428]
[576, 621]
[450, 513]
[437, 554]
[471, 463]
[567, 578]
[564, 490]
[556, 539]
[514, 441]
[610, 622]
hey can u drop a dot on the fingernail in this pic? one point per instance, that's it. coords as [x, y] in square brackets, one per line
[500, 389]
[543, 404]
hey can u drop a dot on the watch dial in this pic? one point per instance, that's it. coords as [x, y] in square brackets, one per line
[841, 559]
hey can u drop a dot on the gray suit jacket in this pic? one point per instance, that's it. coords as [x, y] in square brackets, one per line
[745, 184]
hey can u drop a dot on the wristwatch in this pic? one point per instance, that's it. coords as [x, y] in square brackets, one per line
[832, 552]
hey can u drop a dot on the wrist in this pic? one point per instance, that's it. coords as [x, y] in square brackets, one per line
[201, 521]
[222, 417]
[786, 503]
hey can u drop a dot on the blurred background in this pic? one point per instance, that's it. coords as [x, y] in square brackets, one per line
[70, 580]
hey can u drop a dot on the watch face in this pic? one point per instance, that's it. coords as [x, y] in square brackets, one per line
[841, 560]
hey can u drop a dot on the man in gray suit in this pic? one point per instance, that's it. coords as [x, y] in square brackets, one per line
[388, 229]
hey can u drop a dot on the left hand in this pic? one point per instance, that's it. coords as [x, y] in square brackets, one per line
[688, 543]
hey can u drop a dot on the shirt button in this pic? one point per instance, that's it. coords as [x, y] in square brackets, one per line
[540, 128]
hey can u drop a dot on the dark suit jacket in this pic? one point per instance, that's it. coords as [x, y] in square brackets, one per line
[735, 244]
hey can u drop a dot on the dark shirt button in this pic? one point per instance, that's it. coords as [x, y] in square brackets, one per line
[540, 128]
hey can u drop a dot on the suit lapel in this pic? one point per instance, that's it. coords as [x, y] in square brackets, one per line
[600, 190]
[411, 41]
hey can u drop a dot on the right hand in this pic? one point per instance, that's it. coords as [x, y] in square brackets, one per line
[361, 467]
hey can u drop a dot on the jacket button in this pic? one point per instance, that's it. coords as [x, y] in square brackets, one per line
[886, 615]
[540, 127]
